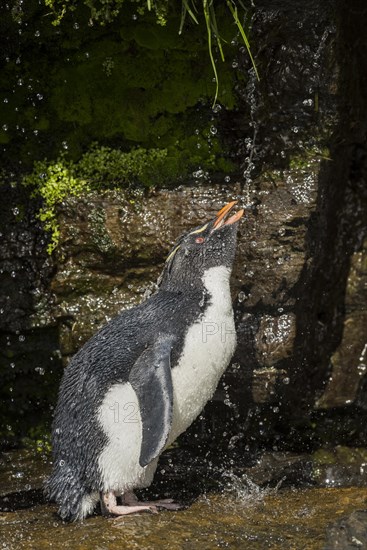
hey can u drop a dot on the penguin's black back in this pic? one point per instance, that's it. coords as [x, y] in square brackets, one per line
[106, 359]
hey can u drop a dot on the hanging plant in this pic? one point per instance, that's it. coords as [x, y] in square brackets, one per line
[105, 11]
[208, 7]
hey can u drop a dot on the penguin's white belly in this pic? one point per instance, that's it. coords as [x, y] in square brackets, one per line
[120, 419]
[208, 348]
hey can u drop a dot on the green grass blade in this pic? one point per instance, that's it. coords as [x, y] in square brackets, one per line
[187, 8]
[234, 12]
[209, 34]
[183, 18]
[213, 21]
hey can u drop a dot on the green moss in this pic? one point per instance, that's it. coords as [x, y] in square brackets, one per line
[205, 15]
[4, 137]
[131, 84]
[105, 167]
[53, 182]
[102, 167]
[38, 439]
[303, 161]
[340, 455]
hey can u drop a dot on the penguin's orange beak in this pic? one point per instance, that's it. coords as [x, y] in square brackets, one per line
[221, 216]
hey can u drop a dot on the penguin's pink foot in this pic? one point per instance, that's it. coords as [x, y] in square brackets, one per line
[109, 506]
[167, 503]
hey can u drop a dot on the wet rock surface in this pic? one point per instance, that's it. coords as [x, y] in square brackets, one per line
[349, 361]
[222, 508]
[290, 519]
[30, 364]
[349, 533]
[298, 284]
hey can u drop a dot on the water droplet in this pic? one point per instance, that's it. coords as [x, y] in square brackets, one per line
[21, 338]
[13, 274]
[20, 82]
[213, 130]
[134, 17]
[227, 179]
[308, 102]
[37, 34]
[15, 211]
[5, 127]
[39, 97]
[76, 25]
[65, 145]
[6, 100]
[198, 174]
[286, 381]
[234, 65]
[62, 462]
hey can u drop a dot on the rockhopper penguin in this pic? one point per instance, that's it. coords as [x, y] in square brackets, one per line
[142, 379]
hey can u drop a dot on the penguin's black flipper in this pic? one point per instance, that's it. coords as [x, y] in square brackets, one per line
[151, 379]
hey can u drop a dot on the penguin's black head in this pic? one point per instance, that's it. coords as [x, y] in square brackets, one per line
[212, 244]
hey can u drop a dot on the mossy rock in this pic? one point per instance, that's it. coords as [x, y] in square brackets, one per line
[129, 83]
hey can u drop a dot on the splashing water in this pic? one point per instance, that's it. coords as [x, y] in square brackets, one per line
[243, 489]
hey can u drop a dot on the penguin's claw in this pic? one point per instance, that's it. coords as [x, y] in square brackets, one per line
[110, 507]
[166, 503]
[125, 510]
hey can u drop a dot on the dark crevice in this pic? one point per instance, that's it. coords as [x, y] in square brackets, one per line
[337, 227]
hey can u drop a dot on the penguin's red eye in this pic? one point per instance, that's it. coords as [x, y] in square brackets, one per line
[199, 240]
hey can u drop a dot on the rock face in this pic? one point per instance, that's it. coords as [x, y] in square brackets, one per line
[349, 361]
[348, 533]
[299, 283]
[30, 364]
